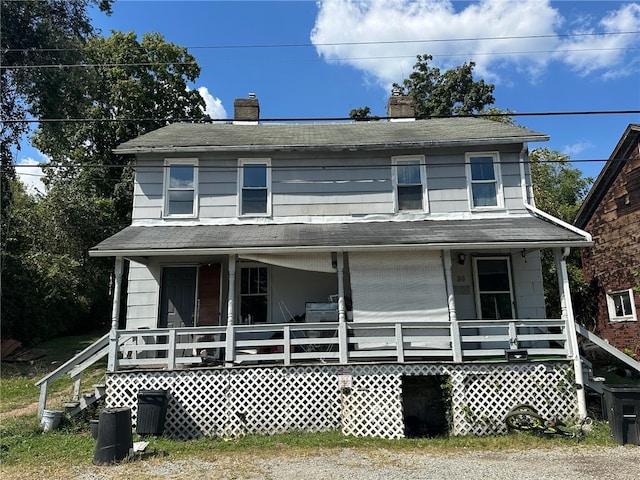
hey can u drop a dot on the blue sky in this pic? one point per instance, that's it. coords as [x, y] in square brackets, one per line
[308, 59]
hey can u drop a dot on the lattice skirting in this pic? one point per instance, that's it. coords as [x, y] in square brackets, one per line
[230, 402]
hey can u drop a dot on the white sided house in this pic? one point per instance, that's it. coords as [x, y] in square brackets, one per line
[378, 277]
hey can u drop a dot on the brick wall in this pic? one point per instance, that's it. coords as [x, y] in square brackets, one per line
[614, 261]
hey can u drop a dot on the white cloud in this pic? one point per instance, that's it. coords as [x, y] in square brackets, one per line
[354, 32]
[577, 148]
[214, 107]
[602, 52]
[30, 174]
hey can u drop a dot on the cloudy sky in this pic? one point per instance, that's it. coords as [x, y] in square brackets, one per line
[307, 59]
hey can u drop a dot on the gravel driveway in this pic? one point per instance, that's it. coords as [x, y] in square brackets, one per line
[584, 463]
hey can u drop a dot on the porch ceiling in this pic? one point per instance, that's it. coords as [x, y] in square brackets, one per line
[518, 232]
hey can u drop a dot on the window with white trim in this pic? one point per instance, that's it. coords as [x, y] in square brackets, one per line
[494, 290]
[255, 187]
[621, 306]
[485, 184]
[409, 182]
[181, 188]
[254, 294]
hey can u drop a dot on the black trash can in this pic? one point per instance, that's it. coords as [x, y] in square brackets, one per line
[622, 404]
[115, 436]
[152, 410]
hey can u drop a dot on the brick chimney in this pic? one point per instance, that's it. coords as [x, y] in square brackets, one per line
[401, 108]
[246, 110]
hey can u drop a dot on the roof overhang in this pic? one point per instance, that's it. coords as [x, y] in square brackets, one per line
[527, 232]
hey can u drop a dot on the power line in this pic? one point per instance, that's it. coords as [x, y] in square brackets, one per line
[372, 42]
[312, 119]
[306, 166]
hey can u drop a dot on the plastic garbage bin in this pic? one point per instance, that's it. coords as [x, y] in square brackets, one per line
[622, 403]
[115, 436]
[152, 410]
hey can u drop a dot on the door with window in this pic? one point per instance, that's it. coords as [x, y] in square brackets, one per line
[177, 297]
[254, 292]
[494, 290]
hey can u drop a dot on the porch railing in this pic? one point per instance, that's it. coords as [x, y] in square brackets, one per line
[463, 340]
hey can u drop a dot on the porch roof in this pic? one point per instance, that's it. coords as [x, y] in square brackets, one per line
[485, 233]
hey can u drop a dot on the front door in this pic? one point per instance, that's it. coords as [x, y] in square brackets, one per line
[178, 297]
[209, 295]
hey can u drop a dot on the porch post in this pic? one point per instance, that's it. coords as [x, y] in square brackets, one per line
[343, 344]
[112, 360]
[456, 345]
[117, 288]
[230, 344]
[572, 336]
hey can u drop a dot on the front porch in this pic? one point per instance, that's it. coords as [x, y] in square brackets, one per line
[339, 342]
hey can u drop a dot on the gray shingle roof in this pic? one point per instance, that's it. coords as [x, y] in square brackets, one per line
[361, 135]
[508, 232]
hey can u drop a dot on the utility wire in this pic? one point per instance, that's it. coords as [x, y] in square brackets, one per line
[341, 59]
[306, 166]
[312, 119]
[372, 42]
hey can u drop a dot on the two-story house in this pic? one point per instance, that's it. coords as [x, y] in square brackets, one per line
[373, 276]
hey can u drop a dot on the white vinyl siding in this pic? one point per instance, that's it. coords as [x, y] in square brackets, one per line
[396, 286]
[181, 188]
[485, 183]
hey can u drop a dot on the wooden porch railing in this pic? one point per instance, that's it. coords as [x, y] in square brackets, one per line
[463, 340]
[74, 367]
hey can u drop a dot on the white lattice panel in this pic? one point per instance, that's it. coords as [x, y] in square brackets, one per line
[228, 402]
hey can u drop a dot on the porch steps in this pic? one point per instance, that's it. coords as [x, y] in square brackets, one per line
[85, 401]
[591, 381]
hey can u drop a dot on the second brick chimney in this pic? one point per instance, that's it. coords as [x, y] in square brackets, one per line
[401, 107]
[246, 110]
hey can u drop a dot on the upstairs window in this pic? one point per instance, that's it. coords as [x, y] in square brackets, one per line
[621, 306]
[181, 181]
[255, 194]
[483, 173]
[409, 183]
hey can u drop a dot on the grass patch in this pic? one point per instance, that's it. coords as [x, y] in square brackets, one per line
[23, 444]
[17, 379]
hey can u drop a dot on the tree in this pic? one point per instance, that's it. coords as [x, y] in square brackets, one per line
[132, 87]
[46, 32]
[559, 190]
[453, 92]
[121, 88]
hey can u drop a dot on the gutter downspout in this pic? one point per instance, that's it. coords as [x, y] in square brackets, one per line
[563, 278]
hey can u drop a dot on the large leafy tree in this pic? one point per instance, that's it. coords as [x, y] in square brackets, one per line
[559, 189]
[443, 93]
[33, 33]
[122, 87]
[126, 88]
[452, 92]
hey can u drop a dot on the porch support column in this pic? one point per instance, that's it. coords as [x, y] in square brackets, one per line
[343, 344]
[456, 345]
[117, 289]
[230, 344]
[572, 335]
[112, 359]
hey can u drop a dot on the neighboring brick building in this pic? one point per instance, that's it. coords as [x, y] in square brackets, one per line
[611, 213]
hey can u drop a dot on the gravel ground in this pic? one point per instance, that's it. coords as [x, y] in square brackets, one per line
[583, 463]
